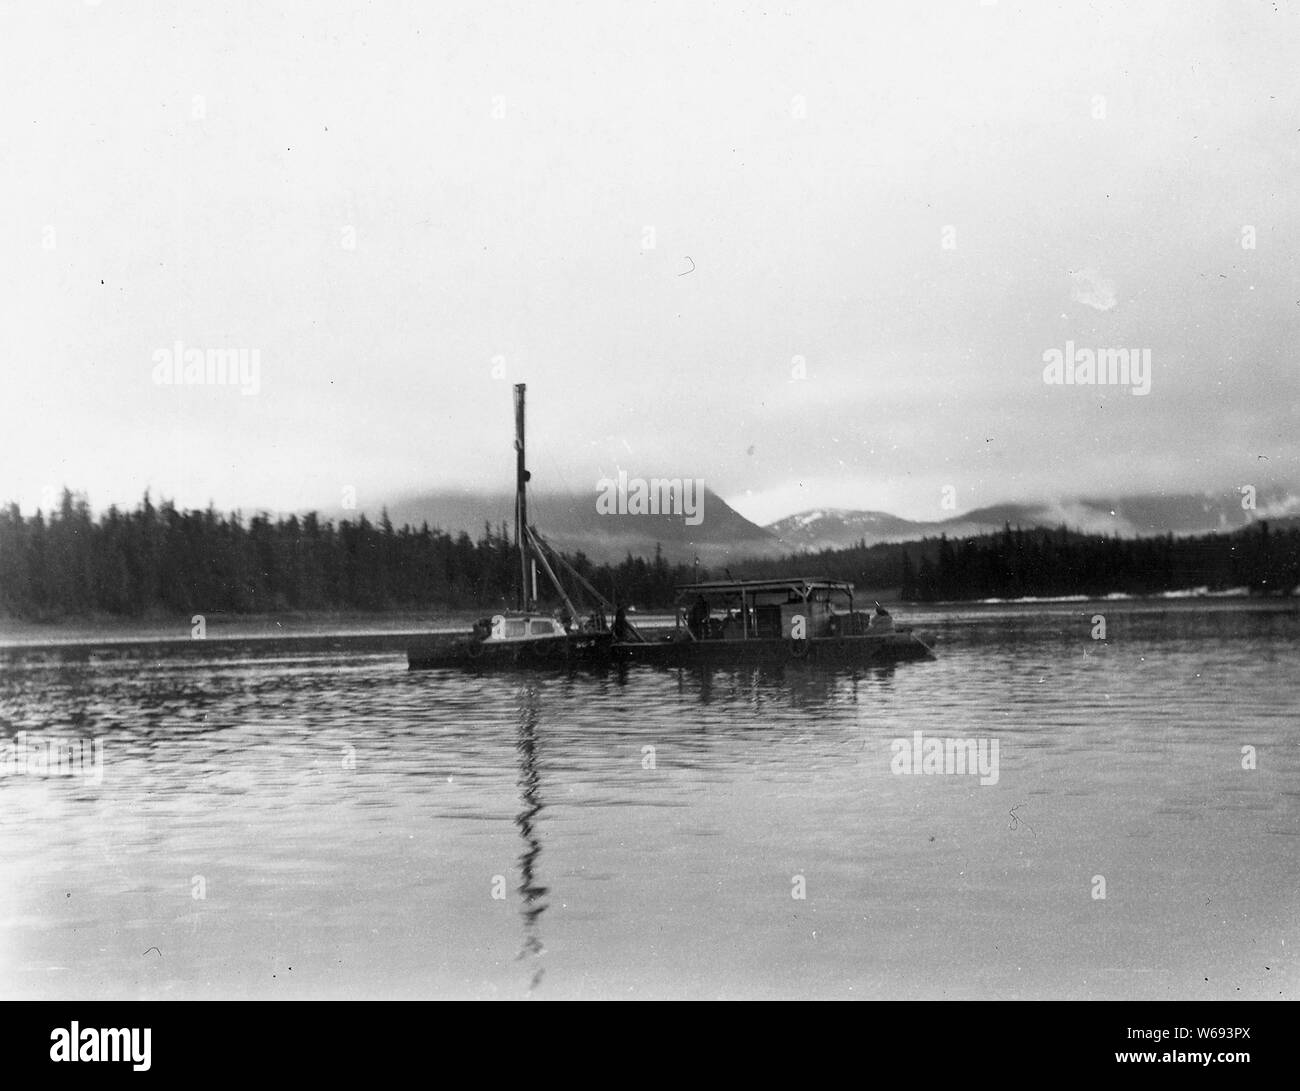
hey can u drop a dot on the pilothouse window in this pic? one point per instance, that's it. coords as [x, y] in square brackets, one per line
[542, 628]
[514, 627]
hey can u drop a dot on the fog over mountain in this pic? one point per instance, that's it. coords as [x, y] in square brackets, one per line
[1127, 516]
[572, 522]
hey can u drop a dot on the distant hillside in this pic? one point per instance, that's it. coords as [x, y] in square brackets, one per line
[1136, 516]
[1040, 562]
[724, 536]
[156, 559]
[572, 524]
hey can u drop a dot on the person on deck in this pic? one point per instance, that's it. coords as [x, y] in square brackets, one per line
[699, 620]
[882, 622]
[622, 631]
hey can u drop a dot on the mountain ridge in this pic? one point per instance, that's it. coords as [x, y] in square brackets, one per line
[574, 525]
[1140, 515]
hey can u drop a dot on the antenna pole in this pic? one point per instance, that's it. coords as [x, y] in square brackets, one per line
[521, 502]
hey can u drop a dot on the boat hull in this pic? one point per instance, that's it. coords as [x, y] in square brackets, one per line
[468, 653]
[597, 649]
[895, 647]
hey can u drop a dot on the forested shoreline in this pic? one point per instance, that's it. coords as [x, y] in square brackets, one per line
[1042, 563]
[158, 559]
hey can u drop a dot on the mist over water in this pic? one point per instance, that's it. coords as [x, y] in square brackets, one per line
[297, 819]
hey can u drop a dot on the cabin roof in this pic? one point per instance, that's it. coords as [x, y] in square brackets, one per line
[802, 584]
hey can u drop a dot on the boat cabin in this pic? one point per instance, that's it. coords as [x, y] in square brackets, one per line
[764, 609]
[512, 628]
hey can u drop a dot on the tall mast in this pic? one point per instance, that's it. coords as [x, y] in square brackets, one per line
[521, 501]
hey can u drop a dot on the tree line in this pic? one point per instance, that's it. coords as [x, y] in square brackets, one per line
[158, 559]
[1042, 562]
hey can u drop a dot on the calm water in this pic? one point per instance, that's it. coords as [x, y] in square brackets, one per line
[312, 820]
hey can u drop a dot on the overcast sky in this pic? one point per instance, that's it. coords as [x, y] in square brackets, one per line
[916, 199]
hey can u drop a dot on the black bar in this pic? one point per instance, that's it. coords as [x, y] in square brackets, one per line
[993, 1041]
